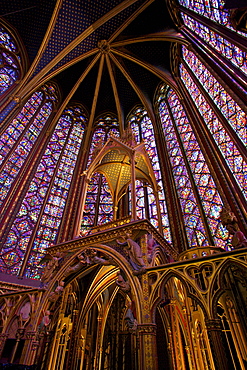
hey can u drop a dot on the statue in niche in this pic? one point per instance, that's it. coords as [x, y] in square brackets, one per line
[135, 254]
[123, 284]
[229, 220]
[53, 297]
[151, 243]
[51, 267]
[130, 320]
[25, 314]
[45, 322]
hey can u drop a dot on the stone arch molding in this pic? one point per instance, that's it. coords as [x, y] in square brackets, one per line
[113, 258]
[218, 286]
[191, 289]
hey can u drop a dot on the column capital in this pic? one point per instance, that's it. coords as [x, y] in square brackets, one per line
[213, 324]
[30, 335]
[4, 335]
[148, 328]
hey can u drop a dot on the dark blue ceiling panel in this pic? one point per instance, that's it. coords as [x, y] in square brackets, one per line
[74, 18]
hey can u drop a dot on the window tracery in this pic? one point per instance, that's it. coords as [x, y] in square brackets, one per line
[143, 130]
[212, 9]
[181, 141]
[233, 355]
[98, 207]
[37, 222]
[235, 116]
[225, 47]
[19, 138]
[230, 152]
[9, 61]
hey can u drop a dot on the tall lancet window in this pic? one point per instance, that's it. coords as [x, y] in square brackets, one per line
[98, 207]
[21, 135]
[211, 9]
[222, 126]
[37, 222]
[199, 199]
[146, 206]
[224, 47]
[10, 69]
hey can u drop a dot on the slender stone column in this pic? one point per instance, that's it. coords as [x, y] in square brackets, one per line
[148, 350]
[147, 329]
[30, 348]
[214, 329]
[133, 189]
[3, 338]
[19, 336]
[71, 360]
[45, 340]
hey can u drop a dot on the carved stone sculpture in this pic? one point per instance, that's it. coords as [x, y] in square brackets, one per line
[53, 297]
[135, 254]
[50, 268]
[229, 220]
[123, 284]
[130, 320]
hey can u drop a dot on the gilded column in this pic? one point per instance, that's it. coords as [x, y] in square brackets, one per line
[147, 329]
[98, 351]
[72, 348]
[133, 189]
[214, 329]
[19, 336]
[30, 348]
[147, 337]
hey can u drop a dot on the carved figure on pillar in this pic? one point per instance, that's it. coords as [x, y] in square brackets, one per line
[45, 321]
[53, 297]
[82, 262]
[229, 220]
[51, 267]
[151, 244]
[135, 254]
[123, 284]
[130, 320]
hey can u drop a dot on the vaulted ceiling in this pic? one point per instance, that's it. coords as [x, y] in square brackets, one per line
[108, 55]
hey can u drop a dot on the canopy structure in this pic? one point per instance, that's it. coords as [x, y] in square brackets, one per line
[122, 161]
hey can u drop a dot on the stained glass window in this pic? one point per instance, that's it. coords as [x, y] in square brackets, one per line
[181, 142]
[212, 9]
[143, 130]
[19, 138]
[236, 162]
[9, 61]
[226, 48]
[7, 41]
[98, 207]
[229, 108]
[39, 217]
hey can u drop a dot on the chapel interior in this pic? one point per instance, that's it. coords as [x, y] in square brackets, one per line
[123, 185]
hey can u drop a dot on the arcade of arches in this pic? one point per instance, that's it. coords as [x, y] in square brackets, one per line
[123, 192]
